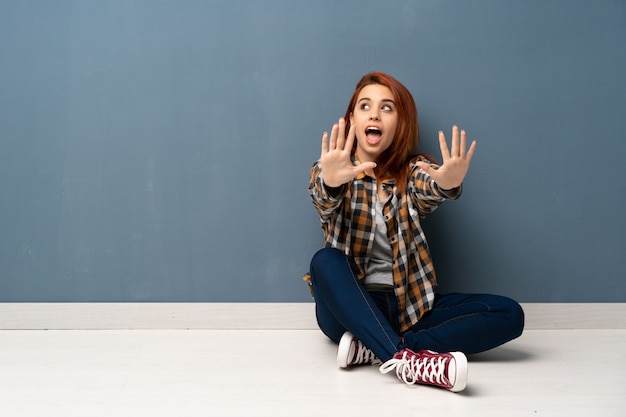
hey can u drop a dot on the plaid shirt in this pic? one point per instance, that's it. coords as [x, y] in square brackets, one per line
[347, 219]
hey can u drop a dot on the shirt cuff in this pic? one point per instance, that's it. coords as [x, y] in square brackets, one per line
[334, 192]
[451, 194]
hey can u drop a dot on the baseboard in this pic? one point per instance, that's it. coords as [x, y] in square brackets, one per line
[78, 316]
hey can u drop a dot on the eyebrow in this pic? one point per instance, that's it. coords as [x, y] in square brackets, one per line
[385, 100]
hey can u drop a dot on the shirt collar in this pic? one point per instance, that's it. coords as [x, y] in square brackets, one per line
[361, 175]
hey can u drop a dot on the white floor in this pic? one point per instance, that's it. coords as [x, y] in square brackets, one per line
[293, 373]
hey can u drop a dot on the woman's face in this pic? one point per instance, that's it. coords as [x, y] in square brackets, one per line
[374, 118]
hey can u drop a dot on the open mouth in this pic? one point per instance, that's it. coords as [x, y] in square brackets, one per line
[373, 135]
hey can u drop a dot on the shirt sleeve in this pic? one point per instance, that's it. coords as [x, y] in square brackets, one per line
[325, 199]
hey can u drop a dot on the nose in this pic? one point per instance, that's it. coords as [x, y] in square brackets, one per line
[374, 115]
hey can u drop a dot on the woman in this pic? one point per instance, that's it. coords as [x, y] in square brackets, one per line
[374, 281]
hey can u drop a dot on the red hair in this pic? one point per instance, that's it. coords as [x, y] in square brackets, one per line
[392, 163]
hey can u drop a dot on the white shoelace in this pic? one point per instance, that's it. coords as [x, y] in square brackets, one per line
[412, 369]
[364, 355]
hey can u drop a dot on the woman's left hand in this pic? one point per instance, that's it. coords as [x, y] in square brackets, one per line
[456, 160]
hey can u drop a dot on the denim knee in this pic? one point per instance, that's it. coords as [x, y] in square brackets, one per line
[516, 317]
[321, 260]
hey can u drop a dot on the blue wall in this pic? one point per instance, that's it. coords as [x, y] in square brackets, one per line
[159, 150]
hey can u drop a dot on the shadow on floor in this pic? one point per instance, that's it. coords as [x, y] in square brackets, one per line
[501, 354]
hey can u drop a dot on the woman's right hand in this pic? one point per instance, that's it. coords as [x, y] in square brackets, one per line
[337, 167]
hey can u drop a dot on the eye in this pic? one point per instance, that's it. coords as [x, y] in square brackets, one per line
[365, 106]
[387, 108]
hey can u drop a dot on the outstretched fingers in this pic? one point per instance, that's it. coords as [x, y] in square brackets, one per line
[458, 145]
[350, 139]
[470, 152]
[337, 139]
[454, 152]
[341, 134]
[465, 152]
[443, 146]
[463, 144]
[333, 138]
[324, 143]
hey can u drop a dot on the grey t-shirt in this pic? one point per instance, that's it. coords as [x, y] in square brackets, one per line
[380, 266]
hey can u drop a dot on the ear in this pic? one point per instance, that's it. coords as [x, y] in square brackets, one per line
[351, 119]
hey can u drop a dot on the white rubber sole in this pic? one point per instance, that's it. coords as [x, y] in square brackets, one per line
[344, 350]
[458, 368]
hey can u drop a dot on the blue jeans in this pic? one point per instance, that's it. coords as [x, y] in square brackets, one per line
[469, 323]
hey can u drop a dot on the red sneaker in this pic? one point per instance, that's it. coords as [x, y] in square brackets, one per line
[352, 352]
[445, 370]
